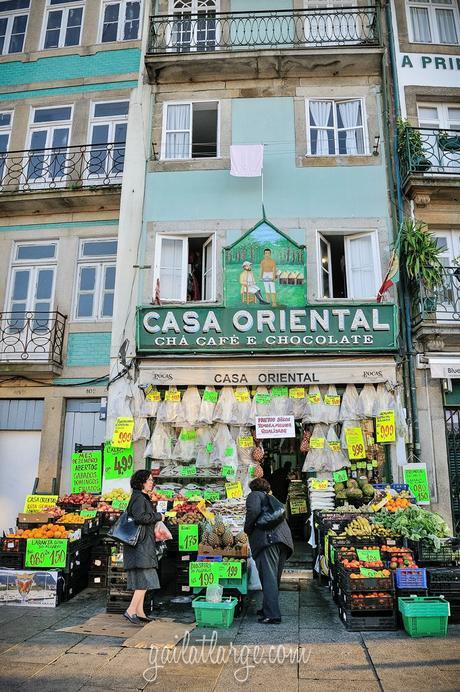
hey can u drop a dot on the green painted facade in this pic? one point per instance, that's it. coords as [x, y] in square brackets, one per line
[86, 349]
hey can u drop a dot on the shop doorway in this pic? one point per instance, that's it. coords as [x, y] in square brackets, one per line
[452, 416]
[19, 457]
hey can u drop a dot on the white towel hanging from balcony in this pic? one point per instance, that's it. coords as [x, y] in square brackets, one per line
[246, 160]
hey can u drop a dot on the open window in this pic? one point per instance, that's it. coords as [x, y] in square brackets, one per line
[190, 130]
[349, 265]
[185, 267]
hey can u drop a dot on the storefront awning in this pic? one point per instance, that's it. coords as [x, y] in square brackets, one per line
[261, 371]
[444, 367]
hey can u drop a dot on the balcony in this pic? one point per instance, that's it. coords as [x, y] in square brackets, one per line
[214, 45]
[430, 159]
[79, 177]
[438, 311]
[31, 341]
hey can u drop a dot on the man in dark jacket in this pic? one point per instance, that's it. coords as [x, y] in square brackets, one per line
[270, 550]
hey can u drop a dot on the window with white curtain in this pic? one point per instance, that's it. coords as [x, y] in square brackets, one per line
[185, 268]
[336, 127]
[348, 265]
[433, 21]
[190, 130]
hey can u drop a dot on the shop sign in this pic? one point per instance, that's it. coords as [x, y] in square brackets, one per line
[268, 427]
[118, 462]
[386, 426]
[46, 552]
[333, 328]
[188, 537]
[123, 433]
[37, 503]
[416, 477]
[86, 472]
[431, 62]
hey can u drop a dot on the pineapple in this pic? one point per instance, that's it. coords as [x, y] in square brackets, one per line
[219, 526]
[227, 539]
[241, 537]
[214, 540]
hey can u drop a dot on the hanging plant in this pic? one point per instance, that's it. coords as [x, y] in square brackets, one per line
[410, 146]
[420, 255]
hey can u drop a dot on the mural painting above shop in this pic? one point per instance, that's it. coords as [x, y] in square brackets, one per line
[265, 267]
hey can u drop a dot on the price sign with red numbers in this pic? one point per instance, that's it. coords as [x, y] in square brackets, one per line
[123, 433]
[355, 443]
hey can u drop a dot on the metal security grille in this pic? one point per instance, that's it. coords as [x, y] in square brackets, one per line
[453, 459]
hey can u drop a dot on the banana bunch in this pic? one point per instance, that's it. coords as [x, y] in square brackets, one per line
[359, 526]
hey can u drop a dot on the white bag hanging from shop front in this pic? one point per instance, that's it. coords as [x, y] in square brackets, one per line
[331, 405]
[261, 403]
[242, 413]
[204, 447]
[151, 402]
[366, 401]
[191, 404]
[224, 407]
[118, 405]
[185, 447]
[314, 411]
[225, 449]
[384, 399]
[297, 405]
[349, 406]
[317, 456]
[337, 458]
[170, 409]
[402, 430]
[348, 424]
[245, 445]
[208, 405]
[280, 401]
[161, 443]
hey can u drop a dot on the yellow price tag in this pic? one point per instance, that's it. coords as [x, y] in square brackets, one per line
[317, 442]
[386, 426]
[242, 397]
[123, 433]
[317, 484]
[334, 445]
[314, 398]
[332, 400]
[297, 392]
[298, 506]
[36, 503]
[355, 443]
[246, 441]
[170, 514]
[172, 396]
[153, 395]
[234, 489]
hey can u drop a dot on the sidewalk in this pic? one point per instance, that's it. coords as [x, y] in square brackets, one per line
[34, 656]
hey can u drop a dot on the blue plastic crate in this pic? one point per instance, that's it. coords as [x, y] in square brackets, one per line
[411, 578]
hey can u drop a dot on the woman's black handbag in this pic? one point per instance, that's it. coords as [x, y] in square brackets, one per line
[271, 515]
[126, 530]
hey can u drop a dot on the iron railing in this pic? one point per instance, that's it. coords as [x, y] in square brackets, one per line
[441, 304]
[430, 151]
[215, 31]
[62, 167]
[33, 336]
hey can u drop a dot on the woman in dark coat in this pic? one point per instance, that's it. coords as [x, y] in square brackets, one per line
[270, 550]
[140, 561]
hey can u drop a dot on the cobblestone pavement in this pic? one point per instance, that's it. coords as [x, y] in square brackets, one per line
[310, 650]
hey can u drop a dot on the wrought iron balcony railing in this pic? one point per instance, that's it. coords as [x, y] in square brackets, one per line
[430, 151]
[36, 337]
[212, 31]
[441, 304]
[62, 167]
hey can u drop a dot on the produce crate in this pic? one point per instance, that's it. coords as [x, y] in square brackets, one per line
[424, 616]
[445, 579]
[13, 545]
[97, 579]
[359, 601]
[447, 554]
[349, 585]
[117, 602]
[217, 615]
[383, 621]
[398, 487]
[225, 552]
[410, 578]
[12, 560]
[98, 563]
[117, 580]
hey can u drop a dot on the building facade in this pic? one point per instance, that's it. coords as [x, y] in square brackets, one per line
[427, 59]
[67, 72]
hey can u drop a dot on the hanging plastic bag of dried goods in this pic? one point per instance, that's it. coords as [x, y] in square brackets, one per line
[191, 404]
[245, 445]
[224, 445]
[331, 401]
[260, 403]
[242, 407]
[346, 425]
[205, 451]
[224, 406]
[297, 403]
[185, 447]
[317, 455]
[141, 430]
[314, 411]
[118, 405]
[384, 399]
[208, 405]
[170, 409]
[402, 429]
[162, 442]
[280, 401]
[349, 406]
[337, 459]
[151, 402]
[366, 401]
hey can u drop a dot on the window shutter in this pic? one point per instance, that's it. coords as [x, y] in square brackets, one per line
[360, 266]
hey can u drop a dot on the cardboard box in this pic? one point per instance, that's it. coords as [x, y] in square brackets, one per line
[24, 587]
[225, 552]
[33, 517]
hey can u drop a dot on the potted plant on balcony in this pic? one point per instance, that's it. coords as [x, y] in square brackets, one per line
[448, 142]
[420, 258]
[410, 147]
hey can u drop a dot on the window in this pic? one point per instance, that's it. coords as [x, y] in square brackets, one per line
[336, 128]
[185, 267]
[120, 21]
[434, 21]
[349, 265]
[63, 20]
[13, 24]
[190, 130]
[108, 136]
[194, 26]
[48, 140]
[96, 279]
[440, 133]
[5, 131]
[31, 284]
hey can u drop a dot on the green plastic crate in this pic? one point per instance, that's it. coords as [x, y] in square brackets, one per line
[424, 616]
[214, 614]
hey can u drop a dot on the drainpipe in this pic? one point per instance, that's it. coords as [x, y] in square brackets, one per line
[402, 289]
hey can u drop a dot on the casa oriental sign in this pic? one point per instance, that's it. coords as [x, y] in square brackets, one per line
[223, 330]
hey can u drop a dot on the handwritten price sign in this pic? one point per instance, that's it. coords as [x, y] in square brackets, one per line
[386, 427]
[416, 477]
[188, 537]
[203, 573]
[118, 463]
[355, 443]
[123, 433]
[46, 552]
